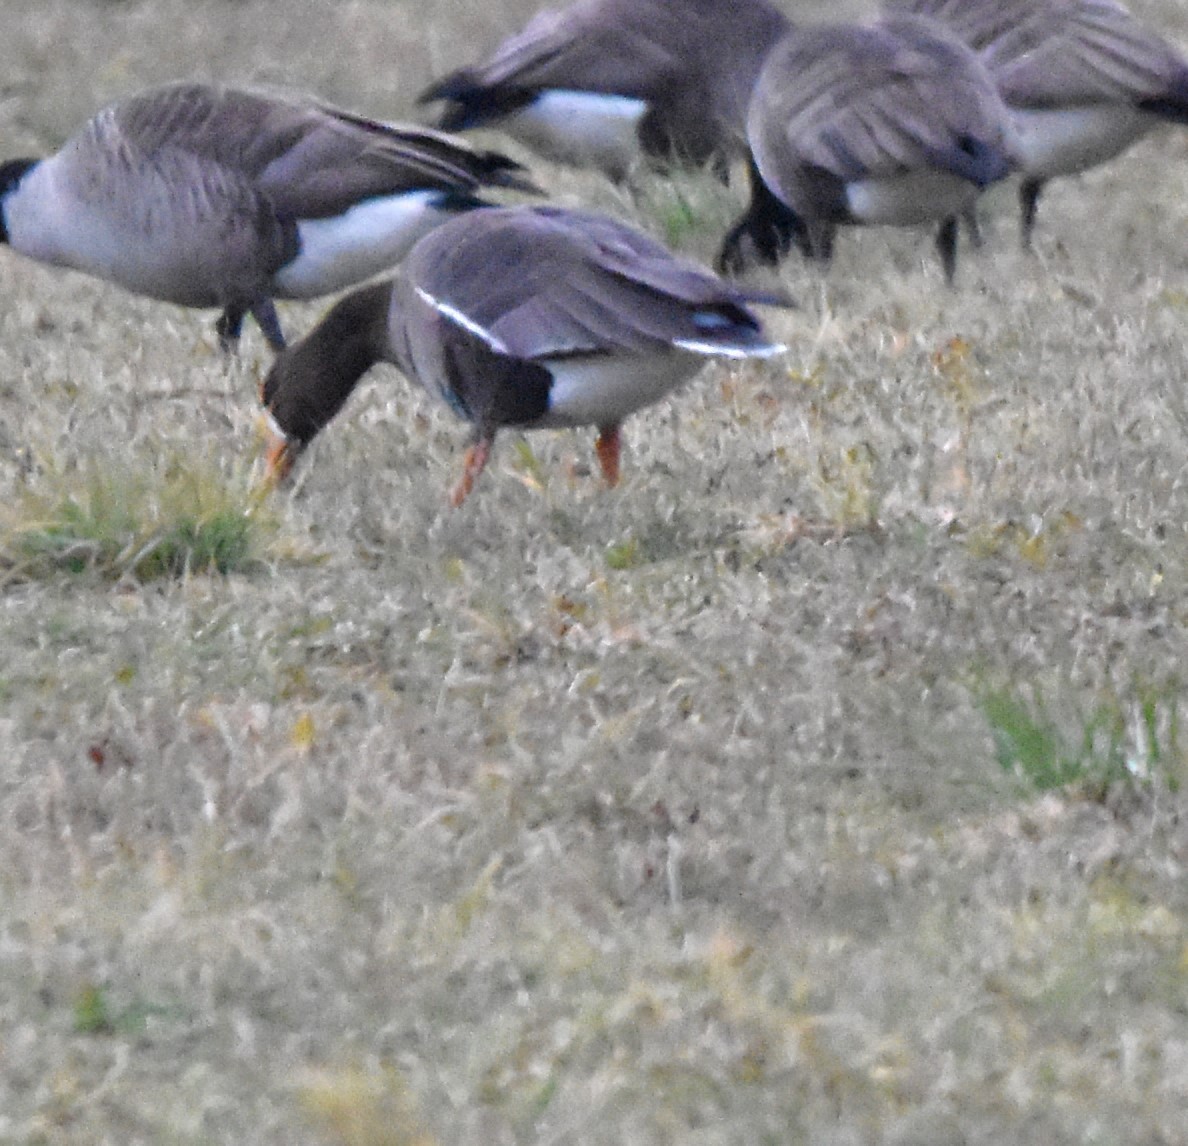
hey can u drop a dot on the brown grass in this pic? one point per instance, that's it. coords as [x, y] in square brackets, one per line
[671, 815]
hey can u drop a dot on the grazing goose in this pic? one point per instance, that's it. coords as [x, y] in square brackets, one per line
[895, 122]
[1083, 79]
[521, 316]
[604, 83]
[213, 196]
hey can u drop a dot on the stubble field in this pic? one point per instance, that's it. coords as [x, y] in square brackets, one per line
[822, 784]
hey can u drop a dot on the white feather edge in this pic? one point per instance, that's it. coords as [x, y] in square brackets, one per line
[464, 321]
[716, 349]
[692, 345]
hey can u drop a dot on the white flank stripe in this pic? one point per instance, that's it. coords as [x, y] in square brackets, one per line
[606, 388]
[588, 129]
[913, 197]
[1066, 140]
[367, 239]
[455, 315]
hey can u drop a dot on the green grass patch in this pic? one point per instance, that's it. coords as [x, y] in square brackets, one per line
[95, 1015]
[143, 519]
[92, 1015]
[1130, 740]
[689, 210]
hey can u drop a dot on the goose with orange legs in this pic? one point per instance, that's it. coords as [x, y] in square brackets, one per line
[529, 317]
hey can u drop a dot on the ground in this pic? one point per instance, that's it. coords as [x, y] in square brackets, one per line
[824, 783]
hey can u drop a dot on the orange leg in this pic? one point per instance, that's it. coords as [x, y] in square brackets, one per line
[477, 454]
[607, 446]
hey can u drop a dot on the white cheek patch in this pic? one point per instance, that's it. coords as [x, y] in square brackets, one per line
[1064, 141]
[581, 128]
[366, 240]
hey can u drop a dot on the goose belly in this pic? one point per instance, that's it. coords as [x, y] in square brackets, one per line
[583, 129]
[1062, 142]
[603, 390]
[368, 239]
[913, 197]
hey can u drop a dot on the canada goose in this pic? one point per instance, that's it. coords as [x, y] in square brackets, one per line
[604, 83]
[215, 196]
[1083, 79]
[894, 122]
[521, 316]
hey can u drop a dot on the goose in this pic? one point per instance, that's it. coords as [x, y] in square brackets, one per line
[520, 316]
[894, 122]
[1083, 79]
[217, 196]
[608, 83]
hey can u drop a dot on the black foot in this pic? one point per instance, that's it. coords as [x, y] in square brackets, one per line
[771, 226]
[1029, 193]
[229, 326]
[946, 244]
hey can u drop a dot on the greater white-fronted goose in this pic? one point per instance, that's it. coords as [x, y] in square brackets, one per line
[217, 196]
[521, 316]
[604, 83]
[1083, 79]
[893, 122]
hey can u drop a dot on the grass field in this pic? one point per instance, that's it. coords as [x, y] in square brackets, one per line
[823, 784]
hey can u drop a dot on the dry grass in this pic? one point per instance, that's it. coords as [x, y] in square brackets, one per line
[703, 811]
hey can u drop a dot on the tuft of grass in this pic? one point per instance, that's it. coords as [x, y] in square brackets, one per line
[142, 519]
[624, 554]
[1117, 742]
[845, 481]
[92, 1015]
[689, 209]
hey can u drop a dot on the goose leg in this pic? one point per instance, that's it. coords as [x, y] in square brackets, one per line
[972, 227]
[608, 446]
[474, 463]
[946, 244]
[1029, 193]
[229, 326]
[264, 313]
[771, 226]
[818, 242]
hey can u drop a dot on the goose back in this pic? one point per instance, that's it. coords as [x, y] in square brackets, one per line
[674, 76]
[838, 105]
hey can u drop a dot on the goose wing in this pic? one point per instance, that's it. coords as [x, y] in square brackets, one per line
[311, 160]
[1083, 51]
[615, 48]
[544, 283]
[977, 23]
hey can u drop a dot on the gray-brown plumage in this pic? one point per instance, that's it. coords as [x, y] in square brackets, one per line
[894, 122]
[603, 82]
[532, 317]
[1083, 79]
[216, 196]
